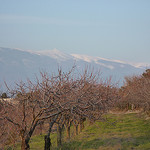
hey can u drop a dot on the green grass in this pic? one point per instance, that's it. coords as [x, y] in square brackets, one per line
[119, 132]
[124, 132]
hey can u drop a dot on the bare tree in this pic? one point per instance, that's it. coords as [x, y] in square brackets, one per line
[30, 106]
[135, 94]
[63, 99]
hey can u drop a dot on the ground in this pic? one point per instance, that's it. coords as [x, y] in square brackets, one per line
[120, 131]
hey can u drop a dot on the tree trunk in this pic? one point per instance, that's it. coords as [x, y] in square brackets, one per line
[75, 129]
[24, 144]
[80, 127]
[47, 137]
[81, 124]
[47, 142]
[27, 146]
[24, 141]
[26, 138]
[59, 136]
[68, 132]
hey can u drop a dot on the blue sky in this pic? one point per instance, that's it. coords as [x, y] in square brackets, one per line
[115, 29]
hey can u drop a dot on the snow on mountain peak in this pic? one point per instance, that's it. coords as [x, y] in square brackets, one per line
[91, 59]
[98, 60]
[55, 53]
[83, 57]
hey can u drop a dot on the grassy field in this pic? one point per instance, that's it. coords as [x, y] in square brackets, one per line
[119, 132]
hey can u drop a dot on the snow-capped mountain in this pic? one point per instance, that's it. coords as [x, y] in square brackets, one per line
[56, 54]
[16, 65]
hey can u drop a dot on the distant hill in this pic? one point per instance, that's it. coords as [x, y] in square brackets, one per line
[16, 65]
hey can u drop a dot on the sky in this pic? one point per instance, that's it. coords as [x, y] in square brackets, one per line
[113, 29]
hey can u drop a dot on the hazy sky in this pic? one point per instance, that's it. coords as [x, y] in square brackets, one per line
[116, 29]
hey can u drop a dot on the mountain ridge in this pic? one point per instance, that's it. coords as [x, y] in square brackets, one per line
[16, 64]
[85, 57]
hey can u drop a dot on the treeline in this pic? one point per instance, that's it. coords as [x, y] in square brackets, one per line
[135, 94]
[61, 101]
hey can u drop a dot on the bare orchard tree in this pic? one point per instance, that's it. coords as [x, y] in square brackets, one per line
[93, 96]
[30, 106]
[57, 89]
[135, 94]
[89, 98]
[62, 99]
[130, 93]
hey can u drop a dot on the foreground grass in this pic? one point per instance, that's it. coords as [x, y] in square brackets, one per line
[123, 131]
[119, 132]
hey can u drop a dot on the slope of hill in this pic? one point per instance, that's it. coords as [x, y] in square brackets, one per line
[16, 65]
